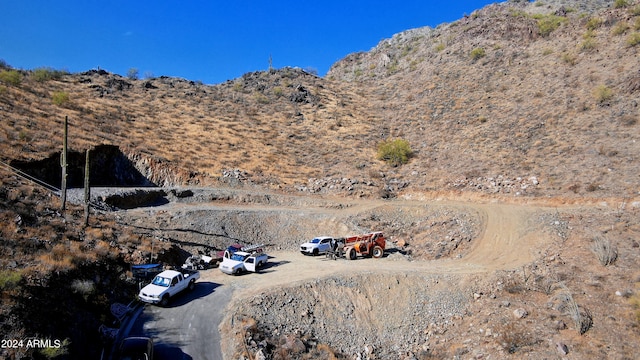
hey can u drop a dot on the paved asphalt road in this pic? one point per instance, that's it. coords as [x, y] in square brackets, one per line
[188, 327]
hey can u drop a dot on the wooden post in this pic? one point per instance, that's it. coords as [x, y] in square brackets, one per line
[63, 164]
[87, 189]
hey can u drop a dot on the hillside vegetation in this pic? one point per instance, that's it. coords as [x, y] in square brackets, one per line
[533, 99]
[519, 101]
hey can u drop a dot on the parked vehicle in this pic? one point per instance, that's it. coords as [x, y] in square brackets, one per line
[200, 262]
[136, 348]
[318, 245]
[371, 244]
[168, 284]
[241, 261]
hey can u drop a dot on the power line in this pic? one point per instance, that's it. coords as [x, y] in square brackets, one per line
[32, 179]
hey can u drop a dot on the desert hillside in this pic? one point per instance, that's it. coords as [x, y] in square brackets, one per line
[519, 98]
[532, 106]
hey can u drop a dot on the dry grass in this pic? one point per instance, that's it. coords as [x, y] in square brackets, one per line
[518, 111]
[515, 337]
[604, 250]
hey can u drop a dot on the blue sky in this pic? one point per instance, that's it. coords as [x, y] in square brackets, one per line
[205, 40]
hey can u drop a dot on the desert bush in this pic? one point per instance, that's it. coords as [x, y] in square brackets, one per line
[46, 74]
[513, 337]
[588, 44]
[604, 250]
[581, 317]
[11, 77]
[633, 39]
[440, 47]
[620, 4]
[594, 23]
[569, 58]
[635, 11]
[549, 23]
[52, 352]
[60, 98]
[603, 94]
[394, 151]
[478, 53]
[132, 74]
[9, 279]
[261, 98]
[620, 28]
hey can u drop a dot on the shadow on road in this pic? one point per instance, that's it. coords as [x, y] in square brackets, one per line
[269, 266]
[202, 289]
[168, 352]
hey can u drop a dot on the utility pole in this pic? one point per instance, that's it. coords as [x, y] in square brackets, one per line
[87, 189]
[63, 164]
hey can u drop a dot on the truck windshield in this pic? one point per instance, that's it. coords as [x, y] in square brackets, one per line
[237, 257]
[161, 281]
[315, 241]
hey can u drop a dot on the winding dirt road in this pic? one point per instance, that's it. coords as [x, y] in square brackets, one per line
[188, 329]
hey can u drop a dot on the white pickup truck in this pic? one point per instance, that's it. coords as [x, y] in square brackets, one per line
[168, 284]
[318, 245]
[240, 261]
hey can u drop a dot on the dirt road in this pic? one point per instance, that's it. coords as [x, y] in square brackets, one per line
[507, 239]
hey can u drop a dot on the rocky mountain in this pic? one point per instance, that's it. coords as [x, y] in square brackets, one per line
[517, 98]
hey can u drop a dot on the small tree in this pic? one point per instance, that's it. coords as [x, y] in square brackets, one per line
[394, 151]
[132, 74]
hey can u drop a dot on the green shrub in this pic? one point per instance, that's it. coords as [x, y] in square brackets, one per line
[549, 23]
[261, 98]
[477, 53]
[46, 74]
[52, 352]
[9, 279]
[603, 93]
[440, 47]
[620, 28]
[594, 23]
[10, 77]
[618, 4]
[588, 44]
[635, 11]
[633, 39]
[394, 151]
[60, 98]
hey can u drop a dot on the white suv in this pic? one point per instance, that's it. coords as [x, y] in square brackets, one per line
[318, 245]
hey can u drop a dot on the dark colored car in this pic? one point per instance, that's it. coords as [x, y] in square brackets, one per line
[136, 348]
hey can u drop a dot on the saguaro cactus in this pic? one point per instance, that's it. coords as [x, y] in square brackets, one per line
[87, 188]
[63, 164]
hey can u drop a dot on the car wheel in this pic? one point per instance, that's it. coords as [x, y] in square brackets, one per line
[377, 252]
[351, 255]
[192, 285]
[315, 252]
[164, 301]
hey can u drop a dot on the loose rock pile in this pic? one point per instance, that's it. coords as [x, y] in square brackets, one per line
[500, 184]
